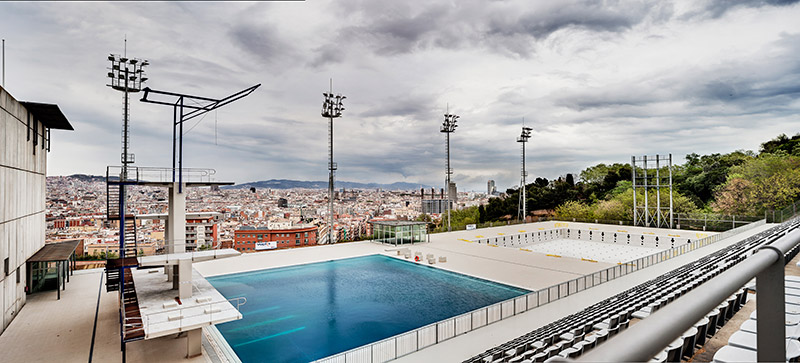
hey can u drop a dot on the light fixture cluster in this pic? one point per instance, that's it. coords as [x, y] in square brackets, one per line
[126, 74]
[332, 107]
[526, 134]
[449, 124]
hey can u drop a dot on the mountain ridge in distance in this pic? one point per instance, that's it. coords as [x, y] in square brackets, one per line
[290, 184]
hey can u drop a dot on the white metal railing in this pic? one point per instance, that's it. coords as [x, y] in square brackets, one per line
[417, 339]
[191, 316]
[159, 174]
[620, 236]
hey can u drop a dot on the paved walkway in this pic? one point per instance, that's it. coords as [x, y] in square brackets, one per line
[51, 330]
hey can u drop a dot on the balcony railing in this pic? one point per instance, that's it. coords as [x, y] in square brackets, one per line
[159, 175]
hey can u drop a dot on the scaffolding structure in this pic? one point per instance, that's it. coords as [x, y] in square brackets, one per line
[647, 179]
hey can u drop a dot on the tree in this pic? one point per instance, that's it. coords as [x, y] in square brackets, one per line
[782, 144]
[770, 181]
[574, 209]
[734, 197]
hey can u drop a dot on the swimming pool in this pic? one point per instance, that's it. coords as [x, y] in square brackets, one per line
[307, 312]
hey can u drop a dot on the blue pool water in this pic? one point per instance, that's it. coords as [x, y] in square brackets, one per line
[307, 312]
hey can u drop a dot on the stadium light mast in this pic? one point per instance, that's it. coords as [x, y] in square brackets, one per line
[523, 205]
[126, 75]
[448, 127]
[331, 108]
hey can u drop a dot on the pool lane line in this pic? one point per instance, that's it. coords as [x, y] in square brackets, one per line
[259, 310]
[265, 322]
[270, 336]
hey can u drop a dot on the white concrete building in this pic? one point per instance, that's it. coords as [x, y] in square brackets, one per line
[24, 143]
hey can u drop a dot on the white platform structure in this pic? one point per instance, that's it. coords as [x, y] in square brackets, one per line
[164, 314]
[197, 303]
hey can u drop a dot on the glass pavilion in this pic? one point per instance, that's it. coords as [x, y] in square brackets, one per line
[399, 232]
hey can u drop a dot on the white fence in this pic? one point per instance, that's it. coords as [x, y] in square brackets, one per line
[615, 237]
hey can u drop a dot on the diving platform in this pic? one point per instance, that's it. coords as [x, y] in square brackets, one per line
[163, 312]
[173, 259]
[162, 177]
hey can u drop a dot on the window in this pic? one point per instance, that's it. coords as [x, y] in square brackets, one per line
[18, 275]
[6, 266]
[297, 235]
[306, 234]
[297, 242]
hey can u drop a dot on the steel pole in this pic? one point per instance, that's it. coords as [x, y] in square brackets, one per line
[670, 191]
[174, 139]
[125, 129]
[524, 174]
[330, 180]
[658, 191]
[180, 151]
[771, 338]
[646, 206]
[633, 177]
[447, 188]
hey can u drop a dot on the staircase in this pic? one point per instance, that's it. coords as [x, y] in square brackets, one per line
[131, 245]
[132, 328]
[112, 200]
[112, 278]
[128, 248]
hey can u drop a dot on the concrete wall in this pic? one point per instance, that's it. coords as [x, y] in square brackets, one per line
[22, 201]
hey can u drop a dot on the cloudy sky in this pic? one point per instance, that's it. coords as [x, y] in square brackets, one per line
[598, 81]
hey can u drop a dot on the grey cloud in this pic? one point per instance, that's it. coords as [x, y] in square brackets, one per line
[511, 28]
[418, 107]
[262, 41]
[718, 8]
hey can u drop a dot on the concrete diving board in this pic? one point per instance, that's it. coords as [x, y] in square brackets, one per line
[164, 314]
[196, 256]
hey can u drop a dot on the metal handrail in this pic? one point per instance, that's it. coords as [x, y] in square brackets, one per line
[516, 305]
[159, 174]
[645, 339]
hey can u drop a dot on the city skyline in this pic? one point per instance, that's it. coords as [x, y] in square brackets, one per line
[597, 83]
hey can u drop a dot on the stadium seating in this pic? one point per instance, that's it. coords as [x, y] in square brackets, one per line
[578, 333]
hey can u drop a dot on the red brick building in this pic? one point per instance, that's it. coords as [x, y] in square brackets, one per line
[253, 239]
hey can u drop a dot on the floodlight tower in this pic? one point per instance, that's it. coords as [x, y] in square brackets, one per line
[523, 138]
[448, 127]
[127, 76]
[331, 108]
